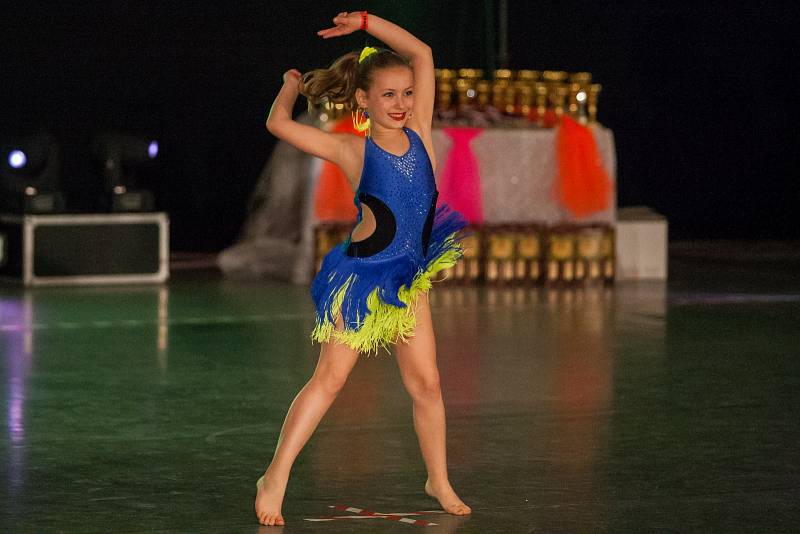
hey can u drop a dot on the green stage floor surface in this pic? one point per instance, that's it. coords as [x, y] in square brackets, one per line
[647, 406]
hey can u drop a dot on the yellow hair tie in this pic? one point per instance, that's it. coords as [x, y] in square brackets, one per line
[368, 51]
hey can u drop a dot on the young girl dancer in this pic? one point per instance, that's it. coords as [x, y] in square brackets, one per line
[371, 290]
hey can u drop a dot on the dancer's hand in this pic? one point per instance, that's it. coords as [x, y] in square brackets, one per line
[291, 75]
[345, 23]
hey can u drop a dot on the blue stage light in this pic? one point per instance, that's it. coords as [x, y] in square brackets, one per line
[29, 174]
[122, 156]
[17, 159]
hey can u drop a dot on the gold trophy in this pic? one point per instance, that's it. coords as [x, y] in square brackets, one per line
[499, 94]
[541, 102]
[444, 96]
[445, 75]
[561, 255]
[607, 254]
[500, 256]
[467, 268]
[524, 98]
[470, 74]
[529, 250]
[587, 265]
[483, 88]
[510, 100]
[582, 78]
[558, 97]
[471, 257]
[505, 252]
[573, 104]
[528, 76]
[594, 91]
[503, 74]
[466, 93]
[554, 77]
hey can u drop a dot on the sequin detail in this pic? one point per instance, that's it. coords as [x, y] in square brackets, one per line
[405, 164]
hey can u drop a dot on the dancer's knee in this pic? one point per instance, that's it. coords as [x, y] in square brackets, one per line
[329, 382]
[424, 389]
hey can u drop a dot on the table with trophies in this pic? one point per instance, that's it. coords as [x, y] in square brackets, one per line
[499, 136]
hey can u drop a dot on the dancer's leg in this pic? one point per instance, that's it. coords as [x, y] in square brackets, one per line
[309, 406]
[417, 361]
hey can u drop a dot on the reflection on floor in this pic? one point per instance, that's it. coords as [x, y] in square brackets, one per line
[641, 407]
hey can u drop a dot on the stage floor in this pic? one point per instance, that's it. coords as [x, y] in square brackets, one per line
[648, 406]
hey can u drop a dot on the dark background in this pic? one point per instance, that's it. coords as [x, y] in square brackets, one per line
[700, 96]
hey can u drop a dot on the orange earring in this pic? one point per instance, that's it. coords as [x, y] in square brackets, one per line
[360, 120]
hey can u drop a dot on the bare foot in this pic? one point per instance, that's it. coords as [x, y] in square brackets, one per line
[447, 498]
[269, 499]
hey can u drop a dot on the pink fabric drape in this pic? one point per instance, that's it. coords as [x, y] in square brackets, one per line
[460, 181]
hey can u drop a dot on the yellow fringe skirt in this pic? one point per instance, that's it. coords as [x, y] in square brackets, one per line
[385, 323]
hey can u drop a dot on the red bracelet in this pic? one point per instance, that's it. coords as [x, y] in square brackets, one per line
[364, 20]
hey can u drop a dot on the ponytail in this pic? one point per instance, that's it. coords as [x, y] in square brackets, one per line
[338, 83]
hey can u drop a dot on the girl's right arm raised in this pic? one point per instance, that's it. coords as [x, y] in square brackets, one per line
[332, 147]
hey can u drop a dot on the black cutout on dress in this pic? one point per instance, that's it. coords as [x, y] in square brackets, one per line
[385, 229]
[428, 228]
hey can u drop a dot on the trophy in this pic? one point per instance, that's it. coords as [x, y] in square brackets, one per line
[444, 96]
[499, 262]
[538, 96]
[483, 89]
[470, 74]
[510, 99]
[471, 258]
[561, 255]
[582, 78]
[524, 98]
[541, 102]
[499, 94]
[503, 74]
[607, 254]
[445, 75]
[528, 76]
[528, 267]
[554, 77]
[558, 97]
[588, 262]
[467, 269]
[466, 94]
[445, 81]
[594, 91]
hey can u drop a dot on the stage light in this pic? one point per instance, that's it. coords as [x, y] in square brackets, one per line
[581, 96]
[17, 159]
[29, 176]
[122, 155]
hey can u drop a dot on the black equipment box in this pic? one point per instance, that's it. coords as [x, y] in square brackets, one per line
[77, 249]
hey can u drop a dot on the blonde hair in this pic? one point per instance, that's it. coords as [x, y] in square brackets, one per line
[338, 83]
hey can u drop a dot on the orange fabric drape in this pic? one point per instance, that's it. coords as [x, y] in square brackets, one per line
[583, 184]
[333, 199]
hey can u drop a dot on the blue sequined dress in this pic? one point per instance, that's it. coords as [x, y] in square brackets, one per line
[374, 282]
